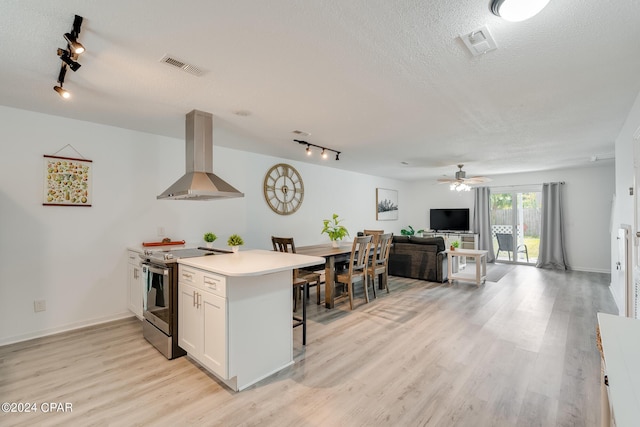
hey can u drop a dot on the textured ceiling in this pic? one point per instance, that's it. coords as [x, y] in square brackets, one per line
[384, 82]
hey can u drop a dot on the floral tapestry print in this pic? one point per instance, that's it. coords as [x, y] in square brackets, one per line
[67, 181]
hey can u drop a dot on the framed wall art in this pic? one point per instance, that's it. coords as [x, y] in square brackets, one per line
[67, 181]
[386, 204]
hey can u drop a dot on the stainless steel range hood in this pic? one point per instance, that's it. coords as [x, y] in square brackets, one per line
[199, 183]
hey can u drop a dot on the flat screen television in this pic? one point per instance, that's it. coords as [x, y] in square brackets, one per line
[449, 219]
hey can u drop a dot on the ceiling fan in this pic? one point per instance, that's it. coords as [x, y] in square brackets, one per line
[461, 182]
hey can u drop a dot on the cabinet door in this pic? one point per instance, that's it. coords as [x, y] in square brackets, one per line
[189, 320]
[214, 311]
[134, 288]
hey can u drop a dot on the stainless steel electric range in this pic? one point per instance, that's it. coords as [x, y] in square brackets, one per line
[160, 291]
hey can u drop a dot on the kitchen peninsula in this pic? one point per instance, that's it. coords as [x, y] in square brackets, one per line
[235, 313]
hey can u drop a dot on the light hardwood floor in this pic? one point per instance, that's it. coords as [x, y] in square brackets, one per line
[518, 352]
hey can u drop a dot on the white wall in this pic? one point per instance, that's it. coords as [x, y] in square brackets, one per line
[75, 258]
[588, 194]
[623, 212]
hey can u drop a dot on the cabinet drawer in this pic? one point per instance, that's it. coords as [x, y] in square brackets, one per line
[215, 284]
[189, 275]
[203, 280]
[133, 258]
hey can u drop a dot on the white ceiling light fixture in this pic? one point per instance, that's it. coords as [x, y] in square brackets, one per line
[459, 186]
[517, 10]
[461, 182]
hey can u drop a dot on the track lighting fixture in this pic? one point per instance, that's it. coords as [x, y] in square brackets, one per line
[75, 45]
[69, 55]
[324, 154]
[62, 92]
[67, 59]
[59, 89]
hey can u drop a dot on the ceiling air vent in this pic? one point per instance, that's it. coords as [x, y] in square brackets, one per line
[479, 41]
[191, 69]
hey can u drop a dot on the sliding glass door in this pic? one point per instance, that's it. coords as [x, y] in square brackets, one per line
[515, 224]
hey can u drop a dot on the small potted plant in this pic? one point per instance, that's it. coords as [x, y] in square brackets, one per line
[334, 229]
[455, 244]
[209, 238]
[235, 241]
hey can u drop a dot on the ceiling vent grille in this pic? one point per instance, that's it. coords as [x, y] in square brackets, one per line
[191, 69]
[479, 41]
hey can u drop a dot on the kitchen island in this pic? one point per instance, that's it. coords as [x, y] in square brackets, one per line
[235, 313]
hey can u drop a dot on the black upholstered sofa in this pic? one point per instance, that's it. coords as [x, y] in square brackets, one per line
[418, 258]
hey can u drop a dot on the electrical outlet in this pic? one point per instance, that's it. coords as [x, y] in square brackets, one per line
[160, 231]
[39, 305]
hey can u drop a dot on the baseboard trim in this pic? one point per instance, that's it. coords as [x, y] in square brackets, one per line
[65, 328]
[591, 270]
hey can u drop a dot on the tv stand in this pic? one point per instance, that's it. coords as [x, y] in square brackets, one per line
[467, 239]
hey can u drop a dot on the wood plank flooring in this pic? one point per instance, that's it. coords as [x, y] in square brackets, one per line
[518, 352]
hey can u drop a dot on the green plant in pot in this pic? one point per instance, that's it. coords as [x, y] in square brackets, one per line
[454, 245]
[209, 238]
[235, 241]
[334, 229]
[409, 231]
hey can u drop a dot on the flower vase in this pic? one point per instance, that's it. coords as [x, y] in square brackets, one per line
[335, 243]
[209, 245]
[235, 249]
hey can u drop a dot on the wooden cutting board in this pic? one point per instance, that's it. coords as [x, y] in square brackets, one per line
[173, 242]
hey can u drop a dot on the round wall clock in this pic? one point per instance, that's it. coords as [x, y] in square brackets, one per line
[283, 189]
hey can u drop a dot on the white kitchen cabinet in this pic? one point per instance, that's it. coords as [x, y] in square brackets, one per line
[250, 335]
[202, 319]
[190, 323]
[134, 283]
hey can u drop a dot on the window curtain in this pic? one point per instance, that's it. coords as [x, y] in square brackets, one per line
[482, 220]
[552, 250]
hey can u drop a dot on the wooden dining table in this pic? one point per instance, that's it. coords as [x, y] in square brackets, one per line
[331, 255]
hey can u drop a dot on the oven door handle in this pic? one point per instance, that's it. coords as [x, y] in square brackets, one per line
[157, 270]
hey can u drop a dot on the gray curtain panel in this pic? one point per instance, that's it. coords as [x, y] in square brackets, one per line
[552, 250]
[482, 220]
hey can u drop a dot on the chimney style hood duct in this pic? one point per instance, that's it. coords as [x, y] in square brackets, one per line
[199, 183]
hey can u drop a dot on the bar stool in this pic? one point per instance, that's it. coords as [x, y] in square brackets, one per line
[301, 321]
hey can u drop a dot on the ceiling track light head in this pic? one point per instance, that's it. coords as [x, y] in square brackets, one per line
[74, 45]
[67, 59]
[62, 92]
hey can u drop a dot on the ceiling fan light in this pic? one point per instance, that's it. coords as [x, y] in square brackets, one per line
[62, 92]
[517, 10]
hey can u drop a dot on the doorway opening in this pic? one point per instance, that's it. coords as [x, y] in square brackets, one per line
[515, 225]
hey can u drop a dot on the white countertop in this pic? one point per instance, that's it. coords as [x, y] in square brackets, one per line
[251, 262]
[621, 347]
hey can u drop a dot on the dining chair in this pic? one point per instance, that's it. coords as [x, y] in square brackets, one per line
[375, 234]
[357, 269]
[286, 244]
[378, 266]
